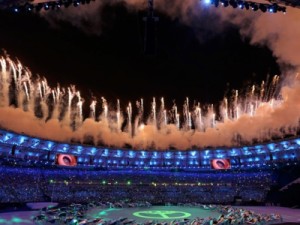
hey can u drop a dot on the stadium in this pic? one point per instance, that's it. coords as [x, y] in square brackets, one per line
[121, 185]
[80, 182]
[65, 162]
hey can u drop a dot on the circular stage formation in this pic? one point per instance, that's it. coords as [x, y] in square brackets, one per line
[153, 213]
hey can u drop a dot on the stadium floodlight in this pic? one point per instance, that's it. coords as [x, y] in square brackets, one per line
[15, 9]
[50, 5]
[57, 5]
[273, 8]
[254, 6]
[29, 7]
[242, 4]
[224, 3]
[76, 3]
[46, 6]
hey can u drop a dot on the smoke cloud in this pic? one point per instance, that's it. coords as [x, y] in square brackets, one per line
[278, 31]
[275, 117]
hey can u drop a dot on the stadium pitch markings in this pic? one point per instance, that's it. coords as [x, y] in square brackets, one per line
[161, 214]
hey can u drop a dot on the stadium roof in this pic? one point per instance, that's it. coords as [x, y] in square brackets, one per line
[34, 150]
[7, 3]
[11, 138]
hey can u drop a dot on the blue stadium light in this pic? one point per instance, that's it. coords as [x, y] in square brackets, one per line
[143, 154]
[258, 146]
[207, 2]
[224, 3]
[118, 154]
[93, 151]
[80, 159]
[233, 152]
[79, 149]
[16, 10]
[21, 139]
[58, 4]
[273, 8]
[50, 144]
[285, 145]
[29, 7]
[297, 141]
[241, 4]
[46, 6]
[168, 155]
[193, 154]
[105, 152]
[6, 137]
[76, 3]
[220, 156]
[180, 156]
[131, 154]
[254, 6]
[271, 146]
[246, 151]
[36, 142]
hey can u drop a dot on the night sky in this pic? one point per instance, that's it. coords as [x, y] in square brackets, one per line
[189, 62]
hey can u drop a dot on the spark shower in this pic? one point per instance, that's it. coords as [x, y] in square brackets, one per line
[28, 105]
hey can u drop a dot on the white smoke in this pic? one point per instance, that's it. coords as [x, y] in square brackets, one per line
[280, 32]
